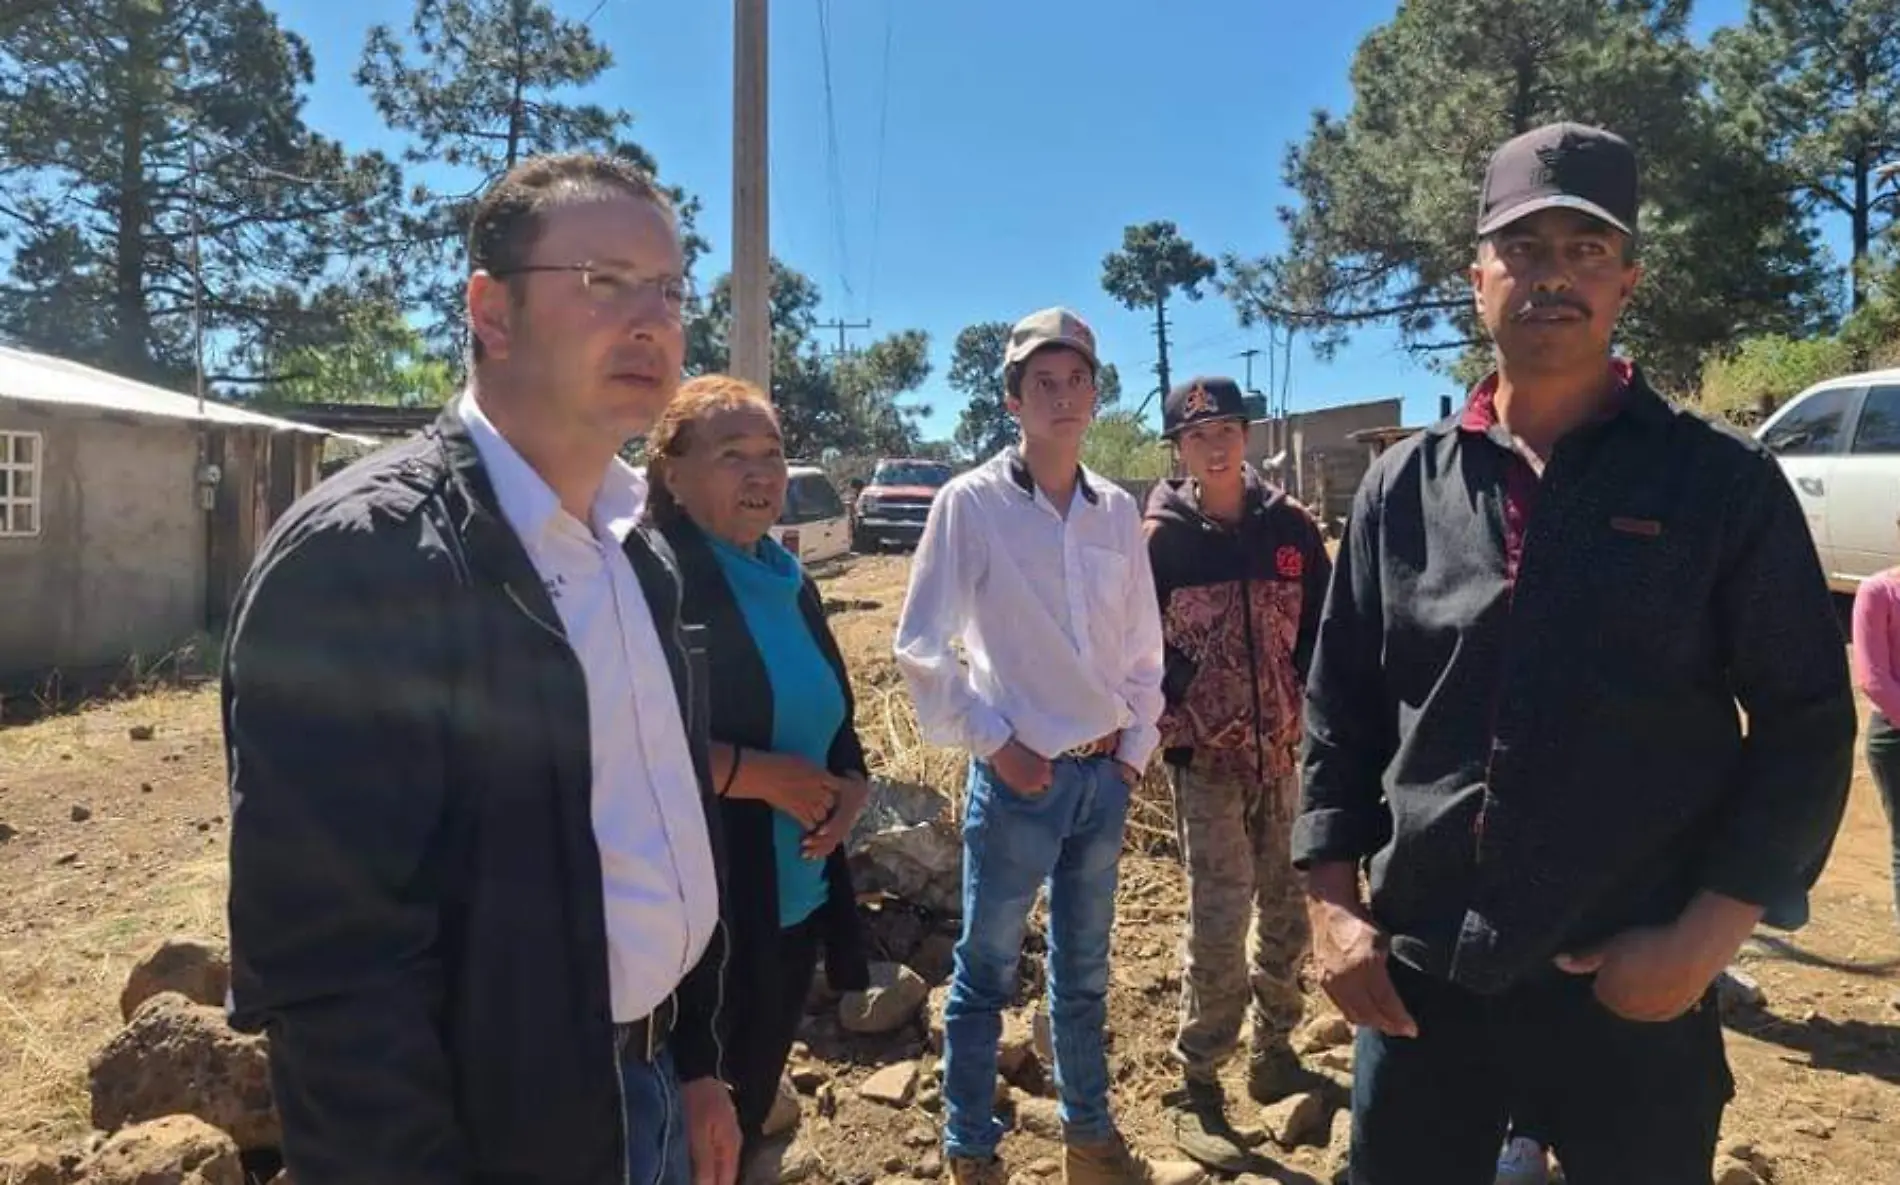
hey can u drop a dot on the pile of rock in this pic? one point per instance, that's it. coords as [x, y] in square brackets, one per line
[178, 1097]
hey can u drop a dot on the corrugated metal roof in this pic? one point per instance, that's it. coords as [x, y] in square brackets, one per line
[43, 378]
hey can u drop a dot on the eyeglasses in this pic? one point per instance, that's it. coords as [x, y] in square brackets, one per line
[612, 288]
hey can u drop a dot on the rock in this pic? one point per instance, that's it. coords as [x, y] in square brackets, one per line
[1039, 1117]
[1738, 991]
[34, 1165]
[66, 858]
[1337, 1060]
[1045, 1166]
[180, 1058]
[199, 971]
[800, 1164]
[1044, 1036]
[895, 995]
[81, 812]
[894, 1164]
[934, 958]
[172, 1150]
[1328, 1032]
[893, 1085]
[894, 930]
[930, 1165]
[1298, 1119]
[784, 1116]
[142, 732]
[1338, 1142]
[1729, 1171]
[905, 844]
[1004, 1092]
[1016, 1058]
[807, 1077]
[827, 1099]
[146, 788]
[934, 1005]
[1814, 1126]
[930, 1098]
[920, 1137]
[8, 831]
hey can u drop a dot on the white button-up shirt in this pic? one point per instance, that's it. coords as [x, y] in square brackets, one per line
[1056, 616]
[656, 865]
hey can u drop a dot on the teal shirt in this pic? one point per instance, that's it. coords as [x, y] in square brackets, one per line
[807, 704]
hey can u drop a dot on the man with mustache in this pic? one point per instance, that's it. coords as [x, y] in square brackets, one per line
[1522, 723]
[473, 891]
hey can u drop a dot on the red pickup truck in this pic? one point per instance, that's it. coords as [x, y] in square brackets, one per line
[892, 506]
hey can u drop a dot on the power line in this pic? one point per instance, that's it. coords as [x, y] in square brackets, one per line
[834, 172]
[877, 188]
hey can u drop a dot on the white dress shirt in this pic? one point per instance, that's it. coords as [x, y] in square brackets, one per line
[656, 865]
[1060, 630]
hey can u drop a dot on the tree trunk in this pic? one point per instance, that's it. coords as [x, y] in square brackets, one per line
[132, 322]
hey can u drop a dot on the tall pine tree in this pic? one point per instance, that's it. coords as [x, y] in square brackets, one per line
[123, 122]
[478, 85]
[1386, 196]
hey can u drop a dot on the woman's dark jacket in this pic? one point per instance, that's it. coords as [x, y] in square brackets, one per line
[741, 714]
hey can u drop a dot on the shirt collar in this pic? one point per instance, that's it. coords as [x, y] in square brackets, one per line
[1026, 482]
[1481, 407]
[527, 501]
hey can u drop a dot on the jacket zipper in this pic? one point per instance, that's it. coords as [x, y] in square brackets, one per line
[1253, 669]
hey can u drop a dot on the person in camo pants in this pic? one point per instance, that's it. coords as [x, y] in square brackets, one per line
[1241, 572]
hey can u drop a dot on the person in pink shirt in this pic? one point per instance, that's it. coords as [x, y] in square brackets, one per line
[1877, 673]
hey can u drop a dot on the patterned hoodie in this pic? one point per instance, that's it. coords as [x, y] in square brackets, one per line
[1240, 609]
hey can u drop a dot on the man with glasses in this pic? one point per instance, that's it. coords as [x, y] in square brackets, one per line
[473, 891]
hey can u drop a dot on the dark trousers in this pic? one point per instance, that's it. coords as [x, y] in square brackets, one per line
[1883, 761]
[763, 1029]
[1619, 1101]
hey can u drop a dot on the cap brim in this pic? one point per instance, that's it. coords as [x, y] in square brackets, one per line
[1556, 201]
[1171, 433]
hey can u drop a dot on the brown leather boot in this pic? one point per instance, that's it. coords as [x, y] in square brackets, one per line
[1274, 1072]
[971, 1170]
[1111, 1162]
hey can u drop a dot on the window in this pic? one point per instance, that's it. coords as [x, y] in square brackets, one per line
[1812, 427]
[911, 473]
[1879, 430]
[19, 483]
[809, 498]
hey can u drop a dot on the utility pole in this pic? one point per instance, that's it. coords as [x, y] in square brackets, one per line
[1249, 354]
[841, 326]
[751, 244]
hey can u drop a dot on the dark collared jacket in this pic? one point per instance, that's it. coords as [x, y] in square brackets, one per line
[1525, 718]
[415, 904]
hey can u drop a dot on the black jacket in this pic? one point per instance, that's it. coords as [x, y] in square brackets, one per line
[1240, 610]
[1534, 760]
[741, 714]
[415, 901]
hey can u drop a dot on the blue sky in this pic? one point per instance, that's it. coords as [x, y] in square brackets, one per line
[1018, 141]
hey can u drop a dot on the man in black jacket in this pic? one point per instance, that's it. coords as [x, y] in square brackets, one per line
[1522, 722]
[473, 891]
[1241, 573]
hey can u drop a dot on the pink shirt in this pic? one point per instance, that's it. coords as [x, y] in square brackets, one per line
[1876, 647]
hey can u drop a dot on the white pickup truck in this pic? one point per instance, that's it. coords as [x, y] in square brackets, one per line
[1839, 444]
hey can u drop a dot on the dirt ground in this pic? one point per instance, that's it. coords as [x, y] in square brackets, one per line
[110, 843]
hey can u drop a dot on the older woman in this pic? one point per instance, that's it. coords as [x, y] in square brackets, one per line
[785, 753]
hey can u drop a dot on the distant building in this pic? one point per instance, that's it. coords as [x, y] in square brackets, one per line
[1315, 455]
[127, 515]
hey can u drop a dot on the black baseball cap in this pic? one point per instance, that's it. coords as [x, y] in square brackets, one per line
[1199, 400]
[1560, 166]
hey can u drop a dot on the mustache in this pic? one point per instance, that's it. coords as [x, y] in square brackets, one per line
[1550, 300]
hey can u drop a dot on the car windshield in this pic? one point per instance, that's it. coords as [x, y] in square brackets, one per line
[911, 473]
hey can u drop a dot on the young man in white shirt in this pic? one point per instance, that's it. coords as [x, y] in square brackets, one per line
[1038, 569]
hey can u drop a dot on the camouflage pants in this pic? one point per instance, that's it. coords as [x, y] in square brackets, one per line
[1247, 931]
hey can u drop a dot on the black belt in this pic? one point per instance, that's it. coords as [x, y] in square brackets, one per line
[643, 1039]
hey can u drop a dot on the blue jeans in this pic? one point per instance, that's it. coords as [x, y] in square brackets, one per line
[1070, 837]
[656, 1122]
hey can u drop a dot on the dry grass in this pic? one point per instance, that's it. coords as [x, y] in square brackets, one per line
[61, 998]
